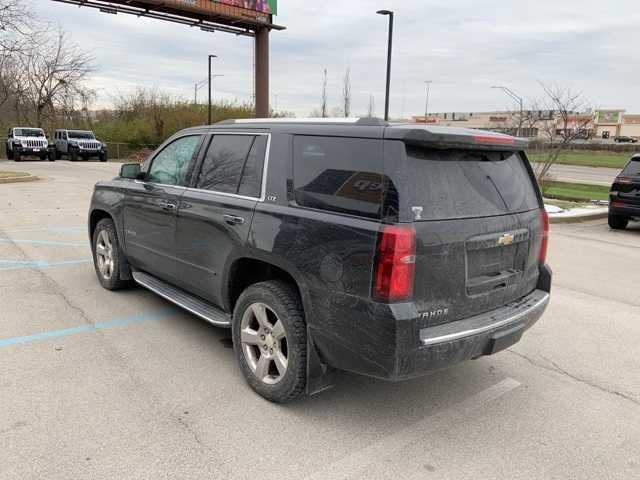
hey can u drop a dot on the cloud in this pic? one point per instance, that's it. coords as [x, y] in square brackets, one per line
[464, 46]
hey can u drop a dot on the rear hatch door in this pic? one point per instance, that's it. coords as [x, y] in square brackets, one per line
[628, 183]
[477, 216]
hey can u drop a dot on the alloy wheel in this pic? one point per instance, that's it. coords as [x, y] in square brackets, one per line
[264, 343]
[104, 254]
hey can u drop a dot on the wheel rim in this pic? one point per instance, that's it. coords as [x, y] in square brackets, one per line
[264, 343]
[104, 254]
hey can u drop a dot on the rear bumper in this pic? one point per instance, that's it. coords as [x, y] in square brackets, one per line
[628, 210]
[391, 343]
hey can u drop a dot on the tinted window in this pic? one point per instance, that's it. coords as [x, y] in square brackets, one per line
[233, 164]
[633, 168]
[465, 183]
[251, 181]
[170, 166]
[340, 174]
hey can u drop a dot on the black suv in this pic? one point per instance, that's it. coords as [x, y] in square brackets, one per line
[624, 203]
[385, 250]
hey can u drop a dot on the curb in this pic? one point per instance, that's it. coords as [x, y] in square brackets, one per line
[579, 218]
[23, 178]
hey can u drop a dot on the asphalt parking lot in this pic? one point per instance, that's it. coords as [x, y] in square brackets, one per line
[96, 384]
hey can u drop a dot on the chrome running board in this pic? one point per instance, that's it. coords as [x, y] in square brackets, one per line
[192, 304]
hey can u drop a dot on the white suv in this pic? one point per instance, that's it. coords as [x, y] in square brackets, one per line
[24, 141]
[79, 144]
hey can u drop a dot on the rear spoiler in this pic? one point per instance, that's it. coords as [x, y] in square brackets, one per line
[444, 137]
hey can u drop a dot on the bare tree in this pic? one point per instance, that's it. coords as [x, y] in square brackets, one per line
[371, 109]
[54, 76]
[567, 121]
[16, 26]
[346, 93]
[325, 97]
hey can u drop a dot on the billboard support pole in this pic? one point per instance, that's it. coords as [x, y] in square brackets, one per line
[262, 73]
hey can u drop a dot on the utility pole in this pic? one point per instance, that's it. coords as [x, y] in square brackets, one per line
[426, 106]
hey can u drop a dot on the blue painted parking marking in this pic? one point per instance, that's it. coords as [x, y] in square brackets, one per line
[116, 322]
[26, 264]
[44, 242]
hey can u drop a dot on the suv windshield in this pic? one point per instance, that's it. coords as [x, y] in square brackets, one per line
[449, 184]
[81, 134]
[633, 168]
[28, 132]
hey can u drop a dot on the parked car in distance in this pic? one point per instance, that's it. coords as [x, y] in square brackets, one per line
[624, 198]
[385, 250]
[77, 144]
[625, 139]
[26, 141]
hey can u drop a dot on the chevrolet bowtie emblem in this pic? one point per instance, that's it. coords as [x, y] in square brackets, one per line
[506, 239]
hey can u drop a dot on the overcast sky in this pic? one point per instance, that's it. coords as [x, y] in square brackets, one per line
[463, 46]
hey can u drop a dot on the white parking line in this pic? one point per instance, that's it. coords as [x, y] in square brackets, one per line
[357, 461]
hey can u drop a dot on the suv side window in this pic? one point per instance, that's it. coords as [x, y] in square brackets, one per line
[234, 164]
[170, 166]
[340, 174]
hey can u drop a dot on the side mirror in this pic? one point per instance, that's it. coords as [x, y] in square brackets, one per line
[130, 170]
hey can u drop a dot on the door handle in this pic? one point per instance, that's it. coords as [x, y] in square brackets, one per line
[168, 206]
[233, 220]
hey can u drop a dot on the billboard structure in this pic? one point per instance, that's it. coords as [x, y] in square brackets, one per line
[252, 18]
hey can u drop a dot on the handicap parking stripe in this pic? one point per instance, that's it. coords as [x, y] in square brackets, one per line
[44, 242]
[26, 264]
[115, 322]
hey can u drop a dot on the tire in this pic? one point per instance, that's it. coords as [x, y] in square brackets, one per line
[106, 236]
[256, 355]
[9, 153]
[74, 155]
[618, 222]
[51, 156]
[17, 157]
[44, 156]
[103, 157]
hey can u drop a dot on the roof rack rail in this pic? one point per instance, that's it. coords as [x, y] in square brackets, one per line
[366, 122]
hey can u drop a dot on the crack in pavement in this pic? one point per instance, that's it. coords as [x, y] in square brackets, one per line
[554, 367]
[195, 435]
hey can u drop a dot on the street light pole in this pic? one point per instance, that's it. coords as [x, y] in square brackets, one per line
[426, 106]
[210, 58]
[389, 51]
[518, 99]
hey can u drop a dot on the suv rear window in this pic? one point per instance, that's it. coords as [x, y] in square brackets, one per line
[633, 168]
[450, 184]
[340, 174]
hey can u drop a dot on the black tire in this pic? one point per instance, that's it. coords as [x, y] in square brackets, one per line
[9, 153]
[283, 301]
[74, 155]
[120, 265]
[51, 156]
[103, 157]
[618, 222]
[17, 157]
[44, 156]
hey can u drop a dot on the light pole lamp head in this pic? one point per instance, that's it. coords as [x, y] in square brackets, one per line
[384, 12]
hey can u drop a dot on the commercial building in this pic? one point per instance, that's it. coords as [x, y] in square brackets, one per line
[605, 124]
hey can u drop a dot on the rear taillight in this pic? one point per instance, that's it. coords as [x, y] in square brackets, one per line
[545, 236]
[618, 204]
[623, 180]
[395, 264]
